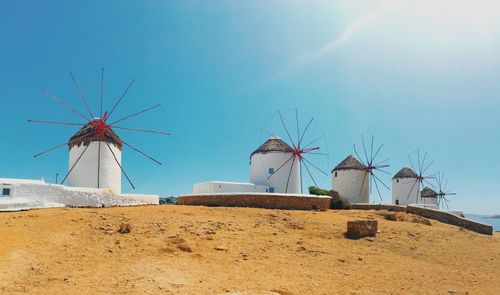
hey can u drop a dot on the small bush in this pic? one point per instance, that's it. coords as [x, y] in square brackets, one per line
[338, 202]
[125, 228]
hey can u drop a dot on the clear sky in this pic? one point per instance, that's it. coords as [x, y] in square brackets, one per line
[423, 74]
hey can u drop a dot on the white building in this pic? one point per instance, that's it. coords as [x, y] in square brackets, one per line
[405, 187]
[23, 194]
[274, 165]
[429, 198]
[97, 168]
[211, 187]
[351, 180]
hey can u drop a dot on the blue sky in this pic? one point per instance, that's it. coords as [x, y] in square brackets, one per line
[415, 75]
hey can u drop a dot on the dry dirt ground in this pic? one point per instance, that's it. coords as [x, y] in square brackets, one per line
[199, 250]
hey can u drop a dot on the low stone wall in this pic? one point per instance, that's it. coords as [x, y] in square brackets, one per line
[452, 219]
[397, 208]
[268, 201]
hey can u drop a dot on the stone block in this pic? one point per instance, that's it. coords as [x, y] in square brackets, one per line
[361, 228]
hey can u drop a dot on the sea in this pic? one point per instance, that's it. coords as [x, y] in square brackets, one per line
[487, 219]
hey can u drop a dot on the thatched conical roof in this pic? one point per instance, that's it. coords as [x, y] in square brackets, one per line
[427, 192]
[87, 134]
[273, 144]
[406, 172]
[350, 163]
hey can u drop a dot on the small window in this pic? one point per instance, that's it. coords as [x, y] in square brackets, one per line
[335, 173]
[271, 189]
[397, 202]
[397, 180]
[271, 170]
[267, 190]
[6, 192]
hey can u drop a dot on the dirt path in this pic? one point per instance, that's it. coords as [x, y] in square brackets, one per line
[198, 250]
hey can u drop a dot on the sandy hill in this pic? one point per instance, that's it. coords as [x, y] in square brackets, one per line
[199, 250]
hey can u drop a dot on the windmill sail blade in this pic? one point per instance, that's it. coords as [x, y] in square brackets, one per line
[364, 149]
[74, 165]
[371, 151]
[136, 114]
[312, 142]
[378, 190]
[289, 174]
[102, 92]
[141, 130]
[99, 165]
[363, 183]
[376, 153]
[411, 190]
[298, 127]
[119, 165]
[304, 131]
[286, 129]
[55, 123]
[378, 179]
[411, 163]
[427, 167]
[81, 95]
[142, 153]
[357, 155]
[121, 97]
[314, 166]
[310, 175]
[423, 163]
[283, 165]
[58, 146]
[63, 103]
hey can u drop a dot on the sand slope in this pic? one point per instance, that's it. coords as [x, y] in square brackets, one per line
[199, 250]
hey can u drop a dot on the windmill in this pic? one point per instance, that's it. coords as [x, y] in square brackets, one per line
[370, 167]
[279, 164]
[421, 179]
[442, 192]
[95, 150]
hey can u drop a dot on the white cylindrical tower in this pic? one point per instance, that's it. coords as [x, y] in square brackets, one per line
[96, 166]
[351, 180]
[405, 187]
[429, 197]
[265, 162]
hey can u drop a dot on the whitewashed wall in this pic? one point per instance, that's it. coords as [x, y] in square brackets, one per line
[85, 172]
[259, 172]
[402, 190]
[227, 187]
[348, 184]
[42, 195]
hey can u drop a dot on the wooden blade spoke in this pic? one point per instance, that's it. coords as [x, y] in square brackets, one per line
[141, 130]
[364, 150]
[135, 114]
[314, 166]
[312, 142]
[58, 146]
[357, 155]
[310, 175]
[55, 123]
[376, 153]
[375, 176]
[363, 183]
[121, 97]
[276, 171]
[289, 174]
[119, 165]
[142, 153]
[102, 92]
[304, 131]
[81, 95]
[63, 103]
[286, 129]
[298, 127]
[378, 190]
[74, 165]
[411, 190]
